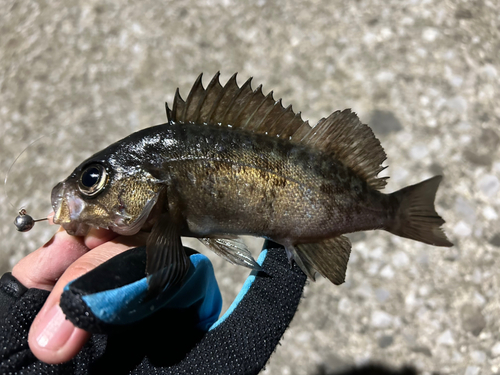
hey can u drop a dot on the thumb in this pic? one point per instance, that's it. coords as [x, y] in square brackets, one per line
[53, 338]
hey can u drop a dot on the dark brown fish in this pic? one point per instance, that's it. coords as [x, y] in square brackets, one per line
[231, 161]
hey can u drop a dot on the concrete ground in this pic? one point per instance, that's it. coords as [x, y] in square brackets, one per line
[423, 74]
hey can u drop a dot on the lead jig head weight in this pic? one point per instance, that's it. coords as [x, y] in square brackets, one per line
[25, 222]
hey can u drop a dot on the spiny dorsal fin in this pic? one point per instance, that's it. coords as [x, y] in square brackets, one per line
[351, 141]
[241, 107]
[196, 95]
[237, 106]
[169, 112]
[178, 106]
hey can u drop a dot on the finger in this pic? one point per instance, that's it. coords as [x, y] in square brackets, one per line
[43, 267]
[96, 237]
[52, 338]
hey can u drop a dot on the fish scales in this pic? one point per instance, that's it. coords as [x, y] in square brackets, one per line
[264, 186]
[236, 182]
[231, 161]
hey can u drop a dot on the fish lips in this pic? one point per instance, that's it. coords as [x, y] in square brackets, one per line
[76, 229]
[67, 208]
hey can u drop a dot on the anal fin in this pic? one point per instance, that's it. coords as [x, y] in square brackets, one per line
[233, 250]
[305, 266]
[167, 262]
[328, 257]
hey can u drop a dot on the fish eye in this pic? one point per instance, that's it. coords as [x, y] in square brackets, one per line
[92, 180]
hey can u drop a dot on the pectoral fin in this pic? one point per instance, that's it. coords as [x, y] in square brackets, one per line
[328, 257]
[167, 262]
[233, 250]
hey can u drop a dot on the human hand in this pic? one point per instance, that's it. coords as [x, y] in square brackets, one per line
[53, 338]
[241, 341]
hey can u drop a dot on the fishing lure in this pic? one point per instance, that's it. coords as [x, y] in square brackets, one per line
[25, 222]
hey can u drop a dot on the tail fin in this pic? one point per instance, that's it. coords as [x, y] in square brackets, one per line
[416, 217]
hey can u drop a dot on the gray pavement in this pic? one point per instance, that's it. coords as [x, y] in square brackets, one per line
[423, 74]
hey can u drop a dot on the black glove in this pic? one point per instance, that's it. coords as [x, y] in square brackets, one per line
[167, 337]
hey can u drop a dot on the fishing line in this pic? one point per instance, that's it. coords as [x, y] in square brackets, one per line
[23, 221]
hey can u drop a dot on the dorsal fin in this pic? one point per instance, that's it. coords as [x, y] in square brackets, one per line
[178, 106]
[237, 106]
[341, 134]
[351, 141]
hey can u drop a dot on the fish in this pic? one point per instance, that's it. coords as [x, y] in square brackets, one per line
[231, 161]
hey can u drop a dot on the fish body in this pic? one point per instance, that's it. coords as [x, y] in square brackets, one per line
[235, 182]
[231, 161]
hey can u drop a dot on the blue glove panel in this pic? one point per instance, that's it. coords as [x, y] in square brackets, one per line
[124, 305]
[113, 294]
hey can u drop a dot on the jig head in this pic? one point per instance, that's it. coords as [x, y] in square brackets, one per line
[25, 222]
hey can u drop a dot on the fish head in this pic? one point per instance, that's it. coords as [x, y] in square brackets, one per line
[104, 193]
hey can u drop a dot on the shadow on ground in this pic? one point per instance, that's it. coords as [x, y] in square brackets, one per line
[372, 369]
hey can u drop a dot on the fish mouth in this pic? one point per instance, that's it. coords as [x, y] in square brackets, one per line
[76, 229]
[68, 208]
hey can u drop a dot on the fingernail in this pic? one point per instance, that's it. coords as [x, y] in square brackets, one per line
[55, 329]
